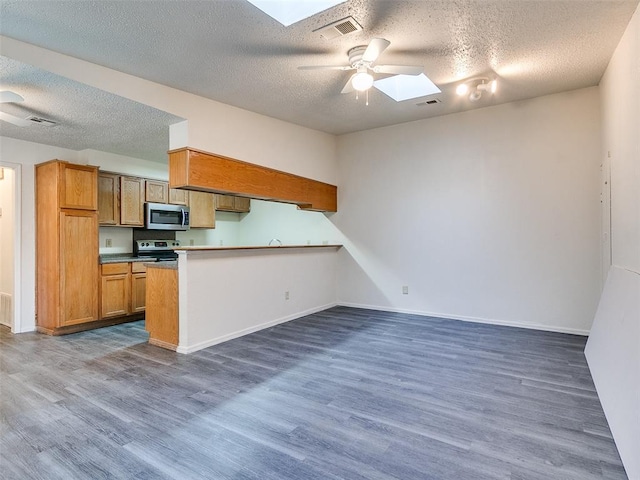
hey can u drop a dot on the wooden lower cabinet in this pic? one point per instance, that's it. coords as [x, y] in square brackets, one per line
[123, 289]
[138, 287]
[161, 319]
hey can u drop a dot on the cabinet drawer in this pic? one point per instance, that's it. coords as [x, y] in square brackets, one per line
[138, 267]
[115, 268]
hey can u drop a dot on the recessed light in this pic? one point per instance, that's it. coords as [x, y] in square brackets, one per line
[405, 87]
[288, 12]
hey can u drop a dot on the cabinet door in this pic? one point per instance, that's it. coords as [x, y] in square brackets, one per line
[138, 292]
[231, 203]
[79, 266]
[78, 186]
[224, 202]
[132, 201]
[242, 204]
[156, 191]
[202, 210]
[115, 295]
[108, 198]
[178, 196]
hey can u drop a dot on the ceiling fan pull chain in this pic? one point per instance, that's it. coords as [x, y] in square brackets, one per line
[367, 103]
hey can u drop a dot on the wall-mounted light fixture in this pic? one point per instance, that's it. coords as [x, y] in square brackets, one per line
[475, 87]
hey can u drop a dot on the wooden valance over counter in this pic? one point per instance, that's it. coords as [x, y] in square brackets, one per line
[192, 169]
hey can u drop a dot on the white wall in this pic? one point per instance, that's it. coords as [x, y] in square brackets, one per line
[7, 232]
[613, 348]
[269, 220]
[488, 215]
[28, 154]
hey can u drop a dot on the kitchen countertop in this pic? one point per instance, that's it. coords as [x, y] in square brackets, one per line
[253, 247]
[123, 257]
[172, 265]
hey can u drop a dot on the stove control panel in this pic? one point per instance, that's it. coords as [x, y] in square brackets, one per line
[156, 245]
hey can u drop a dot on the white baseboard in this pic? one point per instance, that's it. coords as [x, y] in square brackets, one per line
[489, 321]
[246, 331]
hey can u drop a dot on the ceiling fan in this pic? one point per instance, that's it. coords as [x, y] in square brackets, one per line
[7, 96]
[361, 59]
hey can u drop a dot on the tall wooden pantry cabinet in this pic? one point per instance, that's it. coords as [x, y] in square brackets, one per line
[66, 246]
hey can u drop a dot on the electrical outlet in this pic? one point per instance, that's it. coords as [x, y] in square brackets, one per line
[108, 243]
[286, 295]
[191, 242]
[405, 290]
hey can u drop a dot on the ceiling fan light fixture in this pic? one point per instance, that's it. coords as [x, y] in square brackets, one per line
[362, 81]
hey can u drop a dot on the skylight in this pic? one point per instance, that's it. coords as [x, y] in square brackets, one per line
[292, 11]
[405, 87]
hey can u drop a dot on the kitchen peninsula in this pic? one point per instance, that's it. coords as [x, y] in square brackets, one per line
[214, 294]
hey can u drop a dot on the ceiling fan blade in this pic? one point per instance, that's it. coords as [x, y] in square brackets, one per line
[17, 121]
[326, 67]
[7, 96]
[348, 88]
[375, 48]
[399, 69]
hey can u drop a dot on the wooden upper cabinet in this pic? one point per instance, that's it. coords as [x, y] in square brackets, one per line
[230, 203]
[202, 208]
[178, 196]
[132, 191]
[156, 191]
[242, 204]
[78, 186]
[224, 202]
[108, 198]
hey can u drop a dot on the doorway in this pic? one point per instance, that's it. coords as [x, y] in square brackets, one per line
[10, 243]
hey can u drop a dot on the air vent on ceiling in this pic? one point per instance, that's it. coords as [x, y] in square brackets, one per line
[339, 28]
[42, 121]
[432, 101]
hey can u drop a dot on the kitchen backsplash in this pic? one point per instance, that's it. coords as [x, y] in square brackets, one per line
[119, 239]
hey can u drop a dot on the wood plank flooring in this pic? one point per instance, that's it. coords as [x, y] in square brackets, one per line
[342, 394]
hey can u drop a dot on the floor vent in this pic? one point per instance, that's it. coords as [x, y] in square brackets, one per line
[42, 121]
[6, 312]
[338, 29]
[432, 101]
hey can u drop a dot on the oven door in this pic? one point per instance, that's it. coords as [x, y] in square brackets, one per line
[159, 216]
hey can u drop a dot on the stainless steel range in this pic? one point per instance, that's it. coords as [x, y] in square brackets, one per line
[159, 249]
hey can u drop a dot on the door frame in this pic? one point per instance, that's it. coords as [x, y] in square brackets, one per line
[16, 321]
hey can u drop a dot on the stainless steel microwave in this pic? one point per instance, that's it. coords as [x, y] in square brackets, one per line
[160, 216]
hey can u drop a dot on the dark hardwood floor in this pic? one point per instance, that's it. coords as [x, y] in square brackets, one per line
[342, 394]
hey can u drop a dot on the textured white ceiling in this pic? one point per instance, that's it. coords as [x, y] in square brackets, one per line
[232, 52]
[86, 117]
